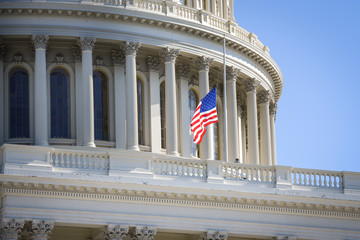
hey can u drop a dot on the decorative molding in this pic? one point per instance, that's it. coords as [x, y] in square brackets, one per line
[86, 43]
[251, 84]
[183, 70]
[40, 40]
[203, 63]
[76, 52]
[232, 73]
[10, 228]
[142, 233]
[116, 232]
[153, 63]
[18, 58]
[131, 48]
[214, 235]
[59, 58]
[264, 96]
[273, 109]
[169, 54]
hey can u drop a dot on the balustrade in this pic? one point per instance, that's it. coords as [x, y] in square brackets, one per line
[249, 173]
[180, 168]
[316, 178]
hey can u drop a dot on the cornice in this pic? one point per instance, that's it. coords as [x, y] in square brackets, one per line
[178, 199]
[252, 50]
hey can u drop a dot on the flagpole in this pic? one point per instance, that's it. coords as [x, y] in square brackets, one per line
[225, 110]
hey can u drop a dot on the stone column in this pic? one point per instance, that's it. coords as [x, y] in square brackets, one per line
[2, 113]
[170, 101]
[207, 143]
[131, 49]
[87, 45]
[155, 118]
[11, 228]
[231, 102]
[240, 131]
[41, 230]
[265, 139]
[183, 75]
[40, 94]
[116, 232]
[273, 109]
[214, 235]
[142, 233]
[243, 133]
[252, 122]
[76, 51]
[118, 57]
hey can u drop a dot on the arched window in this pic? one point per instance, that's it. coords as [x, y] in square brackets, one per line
[140, 103]
[59, 104]
[162, 115]
[101, 106]
[193, 102]
[19, 103]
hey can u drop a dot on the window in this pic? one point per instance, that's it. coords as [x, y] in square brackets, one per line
[162, 115]
[19, 103]
[59, 104]
[140, 103]
[193, 102]
[101, 106]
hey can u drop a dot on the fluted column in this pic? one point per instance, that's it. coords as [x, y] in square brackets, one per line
[273, 109]
[40, 95]
[252, 122]
[231, 102]
[118, 58]
[87, 44]
[207, 143]
[214, 235]
[10, 228]
[170, 56]
[142, 233]
[116, 232]
[155, 115]
[131, 49]
[183, 75]
[265, 138]
[2, 113]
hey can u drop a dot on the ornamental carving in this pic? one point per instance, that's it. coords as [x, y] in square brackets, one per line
[273, 109]
[194, 81]
[41, 230]
[59, 58]
[18, 58]
[204, 63]
[231, 73]
[170, 54]
[243, 112]
[142, 233]
[76, 52]
[2, 51]
[118, 56]
[99, 61]
[183, 70]
[10, 228]
[131, 48]
[251, 84]
[40, 40]
[264, 96]
[116, 232]
[153, 63]
[86, 43]
[214, 235]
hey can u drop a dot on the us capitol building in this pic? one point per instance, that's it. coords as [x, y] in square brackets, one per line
[96, 102]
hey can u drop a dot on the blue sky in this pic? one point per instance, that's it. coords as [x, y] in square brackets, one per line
[316, 44]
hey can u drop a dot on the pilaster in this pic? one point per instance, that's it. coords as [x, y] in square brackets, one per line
[76, 52]
[265, 133]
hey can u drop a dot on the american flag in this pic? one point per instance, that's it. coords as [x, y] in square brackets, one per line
[205, 114]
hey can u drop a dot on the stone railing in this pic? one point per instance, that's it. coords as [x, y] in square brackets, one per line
[180, 168]
[79, 160]
[316, 178]
[249, 173]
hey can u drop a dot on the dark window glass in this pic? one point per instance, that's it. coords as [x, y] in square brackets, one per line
[140, 103]
[193, 102]
[59, 103]
[19, 103]
[162, 114]
[101, 106]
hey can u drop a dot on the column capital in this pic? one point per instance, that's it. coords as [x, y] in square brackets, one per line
[131, 48]
[264, 96]
[118, 56]
[203, 63]
[183, 70]
[231, 73]
[153, 63]
[273, 109]
[40, 40]
[214, 235]
[170, 54]
[76, 52]
[143, 233]
[86, 43]
[10, 228]
[251, 84]
[116, 232]
[41, 230]
[2, 51]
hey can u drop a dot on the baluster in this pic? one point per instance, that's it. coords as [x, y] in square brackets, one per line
[237, 173]
[62, 160]
[335, 181]
[325, 180]
[320, 180]
[330, 180]
[53, 159]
